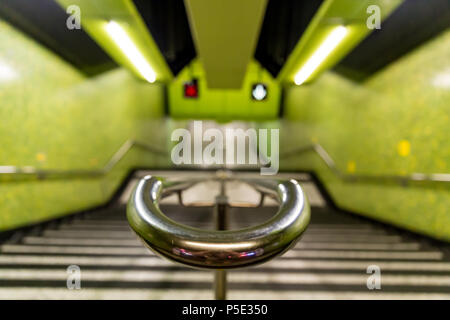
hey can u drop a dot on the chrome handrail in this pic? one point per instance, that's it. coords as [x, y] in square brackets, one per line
[214, 249]
[330, 163]
[14, 173]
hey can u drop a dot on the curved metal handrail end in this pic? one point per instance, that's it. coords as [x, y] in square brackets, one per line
[208, 249]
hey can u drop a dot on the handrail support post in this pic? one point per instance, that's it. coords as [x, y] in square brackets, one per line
[220, 216]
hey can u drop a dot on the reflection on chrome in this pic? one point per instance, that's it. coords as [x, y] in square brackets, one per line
[218, 249]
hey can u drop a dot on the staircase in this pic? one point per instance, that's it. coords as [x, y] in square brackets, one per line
[329, 262]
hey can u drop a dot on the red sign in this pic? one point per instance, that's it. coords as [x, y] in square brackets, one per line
[191, 89]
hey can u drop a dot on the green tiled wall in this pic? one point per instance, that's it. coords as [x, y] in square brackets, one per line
[223, 104]
[396, 123]
[52, 117]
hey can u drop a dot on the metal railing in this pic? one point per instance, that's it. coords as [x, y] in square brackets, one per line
[15, 173]
[402, 179]
[218, 249]
[12, 173]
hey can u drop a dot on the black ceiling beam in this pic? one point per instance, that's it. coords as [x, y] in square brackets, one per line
[284, 23]
[45, 22]
[168, 24]
[412, 24]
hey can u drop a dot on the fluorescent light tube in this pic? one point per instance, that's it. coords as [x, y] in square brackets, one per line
[123, 41]
[330, 43]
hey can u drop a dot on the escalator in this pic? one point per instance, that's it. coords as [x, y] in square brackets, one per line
[335, 258]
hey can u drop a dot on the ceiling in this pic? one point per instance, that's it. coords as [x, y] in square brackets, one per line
[413, 23]
[284, 23]
[269, 33]
[41, 20]
[169, 26]
[225, 35]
